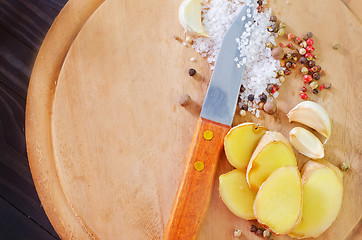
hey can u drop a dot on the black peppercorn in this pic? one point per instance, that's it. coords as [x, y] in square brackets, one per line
[311, 64]
[270, 88]
[303, 60]
[288, 64]
[244, 107]
[315, 91]
[253, 228]
[192, 72]
[259, 232]
[316, 76]
[294, 53]
[251, 97]
[242, 89]
[263, 97]
[260, 2]
[287, 72]
[305, 38]
[273, 18]
[309, 34]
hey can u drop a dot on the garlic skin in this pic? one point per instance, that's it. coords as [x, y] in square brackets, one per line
[306, 143]
[190, 17]
[312, 115]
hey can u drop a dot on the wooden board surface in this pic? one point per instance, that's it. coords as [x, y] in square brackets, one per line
[107, 139]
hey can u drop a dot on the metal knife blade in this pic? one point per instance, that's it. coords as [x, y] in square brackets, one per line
[222, 94]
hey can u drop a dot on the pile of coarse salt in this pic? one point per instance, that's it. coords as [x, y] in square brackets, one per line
[260, 66]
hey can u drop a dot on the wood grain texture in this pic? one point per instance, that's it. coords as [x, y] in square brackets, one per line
[194, 192]
[115, 138]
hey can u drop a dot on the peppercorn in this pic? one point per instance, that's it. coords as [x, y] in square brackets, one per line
[244, 107]
[184, 100]
[319, 68]
[253, 228]
[316, 76]
[287, 72]
[282, 63]
[269, 45]
[303, 44]
[282, 25]
[322, 87]
[270, 29]
[189, 39]
[274, 89]
[281, 72]
[251, 97]
[294, 53]
[313, 85]
[273, 18]
[294, 65]
[310, 49]
[315, 91]
[310, 42]
[304, 96]
[304, 89]
[308, 55]
[304, 70]
[277, 53]
[242, 113]
[295, 59]
[281, 79]
[314, 69]
[308, 78]
[316, 57]
[275, 28]
[260, 9]
[270, 108]
[288, 56]
[261, 105]
[266, 233]
[288, 64]
[192, 72]
[345, 166]
[298, 40]
[242, 88]
[259, 232]
[327, 85]
[281, 32]
[311, 64]
[336, 46]
[263, 97]
[290, 37]
[303, 60]
[260, 2]
[309, 34]
[305, 37]
[289, 45]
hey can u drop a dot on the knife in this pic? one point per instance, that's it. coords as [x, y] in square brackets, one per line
[195, 188]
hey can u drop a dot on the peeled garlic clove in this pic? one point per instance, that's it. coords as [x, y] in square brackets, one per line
[306, 143]
[190, 17]
[312, 115]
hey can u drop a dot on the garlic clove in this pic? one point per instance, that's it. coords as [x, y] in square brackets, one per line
[306, 143]
[190, 17]
[312, 115]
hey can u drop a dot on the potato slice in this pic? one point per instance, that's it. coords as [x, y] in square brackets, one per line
[240, 143]
[278, 204]
[322, 198]
[272, 152]
[236, 194]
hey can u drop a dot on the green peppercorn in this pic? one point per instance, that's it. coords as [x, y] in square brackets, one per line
[251, 97]
[345, 166]
[295, 59]
[266, 233]
[281, 72]
[281, 32]
[316, 76]
[304, 70]
[269, 45]
[281, 79]
[282, 25]
[313, 85]
[288, 56]
[273, 18]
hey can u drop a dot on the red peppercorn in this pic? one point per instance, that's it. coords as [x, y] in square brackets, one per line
[308, 55]
[304, 96]
[310, 49]
[290, 45]
[321, 87]
[304, 89]
[274, 89]
[294, 65]
[287, 72]
[290, 36]
[310, 42]
[308, 78]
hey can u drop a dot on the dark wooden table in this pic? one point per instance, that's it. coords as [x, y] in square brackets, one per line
[23, 26]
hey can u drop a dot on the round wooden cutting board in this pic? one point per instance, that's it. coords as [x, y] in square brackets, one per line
[107, 139]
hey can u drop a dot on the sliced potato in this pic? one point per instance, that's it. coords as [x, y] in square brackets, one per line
[240, 143]
[236, 194]
[322, 198]
[272, 152]
[278, 203]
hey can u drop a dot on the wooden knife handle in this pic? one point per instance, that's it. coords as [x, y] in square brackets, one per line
[194, 191]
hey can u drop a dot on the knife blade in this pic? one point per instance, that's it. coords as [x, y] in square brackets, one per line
[195, 188]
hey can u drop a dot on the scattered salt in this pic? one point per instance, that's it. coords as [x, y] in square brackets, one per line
[192, 59]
